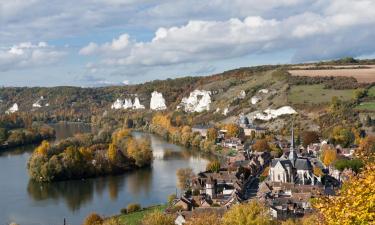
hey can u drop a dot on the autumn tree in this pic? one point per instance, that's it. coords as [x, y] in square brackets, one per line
[343, 136]
[213, 166]
[93, 219]
[211, 134]
[120, 135]
[354, 204]
[112, 152]
[42, 149]
[366, 149]
[329, 154]
[158, 218]
[309, 137]
[261, 145]
[140, 151]
[233, 130]
[251, 213]
[204, 219]
[184, 177]
[317, 171]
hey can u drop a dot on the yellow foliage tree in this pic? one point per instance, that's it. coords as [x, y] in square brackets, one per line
[112, 152]
[233, 130]
[158, 218]
[120, 135]
[354, 204]
[42, 149]
[252, 213]
[317, 171]
[204, 219]
[329, 155]
[140, 151]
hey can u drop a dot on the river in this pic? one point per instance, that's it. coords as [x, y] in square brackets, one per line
[29, 203]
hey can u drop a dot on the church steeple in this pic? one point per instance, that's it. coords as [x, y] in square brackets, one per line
[292, 154]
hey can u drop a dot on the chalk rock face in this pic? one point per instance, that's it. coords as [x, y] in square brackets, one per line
[198, 101]
[127, 104]
[255, 100]
[117, 104]
[242, 94]
[40, 102]
[37, 104]
[137, 104]
[157, 101]
[225, 111]
[12, 109]
[269, 114]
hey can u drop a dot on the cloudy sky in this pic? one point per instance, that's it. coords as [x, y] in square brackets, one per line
[102, 42]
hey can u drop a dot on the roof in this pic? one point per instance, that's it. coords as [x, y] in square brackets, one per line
[284, 162]
[303, 164]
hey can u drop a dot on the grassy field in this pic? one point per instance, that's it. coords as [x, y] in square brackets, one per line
[371, 92]
[366, 106]
[316, 94]
[136, 217]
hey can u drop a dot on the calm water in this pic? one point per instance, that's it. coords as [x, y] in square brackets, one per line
[28, 203]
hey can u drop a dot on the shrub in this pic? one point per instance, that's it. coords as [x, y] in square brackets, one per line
[133, 207]
[93, 219]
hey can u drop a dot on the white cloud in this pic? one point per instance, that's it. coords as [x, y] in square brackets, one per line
[201, 40]
[119, 44]
[26, 55]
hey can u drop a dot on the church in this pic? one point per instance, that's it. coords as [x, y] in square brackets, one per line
[290, 168]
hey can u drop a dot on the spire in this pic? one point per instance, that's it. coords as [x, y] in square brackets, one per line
[292, 154]
[292, 139]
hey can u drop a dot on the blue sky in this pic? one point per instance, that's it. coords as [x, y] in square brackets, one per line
[104, 42]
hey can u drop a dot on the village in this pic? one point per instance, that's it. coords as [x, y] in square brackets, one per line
[285, 183]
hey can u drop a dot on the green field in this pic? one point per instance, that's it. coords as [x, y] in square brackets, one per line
[136, 217]
[366, 106]
[316, 94]
[371, 92]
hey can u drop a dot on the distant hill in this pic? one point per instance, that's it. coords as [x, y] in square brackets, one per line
[247, 90]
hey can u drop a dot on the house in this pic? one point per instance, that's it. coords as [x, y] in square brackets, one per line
[287, 200]
[201, 129]
[184, 203]
[250, 129]
[233, 143]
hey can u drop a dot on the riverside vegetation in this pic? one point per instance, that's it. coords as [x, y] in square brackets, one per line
[17, 130]
[89, 155]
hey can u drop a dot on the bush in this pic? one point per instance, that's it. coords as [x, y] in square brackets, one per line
[124, 211]
[133, 207]
[93, 219]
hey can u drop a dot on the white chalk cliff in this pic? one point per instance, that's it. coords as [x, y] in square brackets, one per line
[40, 102]
[137, 104]
[157, 101]
[127, 104]
[242, 94]
[269, 114]
[198, 101]
[12, 109]
[255, 100]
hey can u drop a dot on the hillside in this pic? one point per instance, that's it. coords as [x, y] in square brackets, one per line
[219, 98]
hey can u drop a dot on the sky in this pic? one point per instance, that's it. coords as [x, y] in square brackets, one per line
[120, 42]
